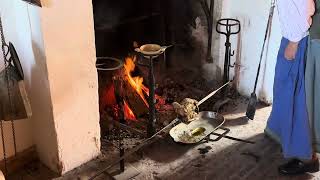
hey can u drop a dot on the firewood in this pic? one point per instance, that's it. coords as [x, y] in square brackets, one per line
[134, 100]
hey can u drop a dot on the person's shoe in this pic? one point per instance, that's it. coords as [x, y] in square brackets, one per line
[295, 167]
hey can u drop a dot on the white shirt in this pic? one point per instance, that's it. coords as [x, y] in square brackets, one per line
[294, 18]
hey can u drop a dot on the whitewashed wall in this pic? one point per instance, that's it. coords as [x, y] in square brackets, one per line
[16, 29]
[56, 47]
[68, 34]
[247, 45]
[253, 16]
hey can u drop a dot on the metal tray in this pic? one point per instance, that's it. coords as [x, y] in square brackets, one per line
[206, 120]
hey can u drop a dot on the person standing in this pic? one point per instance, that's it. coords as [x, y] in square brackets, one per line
[312, 78]
[288, 122]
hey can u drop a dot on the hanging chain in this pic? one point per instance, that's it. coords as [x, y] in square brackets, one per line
[3, 147]
[1, 121]
[7, 65]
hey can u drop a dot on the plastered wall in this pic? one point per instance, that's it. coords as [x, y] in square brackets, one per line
[68, 35]
[248, 44]
[23, 128]
[56, 46]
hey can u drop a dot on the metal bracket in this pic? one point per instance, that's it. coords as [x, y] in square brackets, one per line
[232, 54]
[220, 136]
[224, 135]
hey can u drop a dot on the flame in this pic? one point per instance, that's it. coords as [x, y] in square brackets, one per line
[146, 90]
[109, 99]
[135, 82]
[128, 113]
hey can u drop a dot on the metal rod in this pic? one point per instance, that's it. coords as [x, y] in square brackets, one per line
[152, 112]
[135, 149]
[264, 43]
[210, 28]
[211, 94]
[122, 120]
[121, 154]
[131, 129]
[233, 138]
[121, 149]
[3, 45]
[209, 11]
[227, 59]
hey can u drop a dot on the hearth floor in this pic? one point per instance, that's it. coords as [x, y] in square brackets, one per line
[224, 159]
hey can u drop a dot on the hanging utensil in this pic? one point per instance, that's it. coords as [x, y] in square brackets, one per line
[15, 60]
[251, 109]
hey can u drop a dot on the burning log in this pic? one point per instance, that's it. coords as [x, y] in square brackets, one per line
[134, 100]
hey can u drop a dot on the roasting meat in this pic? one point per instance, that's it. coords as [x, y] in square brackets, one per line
[187, 109]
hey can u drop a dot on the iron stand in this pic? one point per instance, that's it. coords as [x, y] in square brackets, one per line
[152, 111]
[151, 127]
[232, 27]
[120, 102]
[103, 65]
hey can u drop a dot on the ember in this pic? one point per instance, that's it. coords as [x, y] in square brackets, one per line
[108, 97]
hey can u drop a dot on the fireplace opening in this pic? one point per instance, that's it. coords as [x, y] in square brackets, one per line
[126, 82]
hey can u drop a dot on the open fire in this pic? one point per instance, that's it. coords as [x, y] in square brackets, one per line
[135, 82]
[109, 99]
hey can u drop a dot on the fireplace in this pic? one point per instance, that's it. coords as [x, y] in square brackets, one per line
[125, 76]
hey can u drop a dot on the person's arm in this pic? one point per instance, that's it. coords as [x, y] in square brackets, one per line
[311, 9]
[295, 19]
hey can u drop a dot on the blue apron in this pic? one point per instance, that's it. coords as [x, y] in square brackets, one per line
[288, 121]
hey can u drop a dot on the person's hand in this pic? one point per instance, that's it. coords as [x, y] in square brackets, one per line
[291, 50]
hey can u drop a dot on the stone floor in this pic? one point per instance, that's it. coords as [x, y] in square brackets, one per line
[223, 159]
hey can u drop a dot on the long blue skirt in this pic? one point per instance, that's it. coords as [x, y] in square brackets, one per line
[288, 122]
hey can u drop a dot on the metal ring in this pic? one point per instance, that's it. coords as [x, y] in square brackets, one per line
[228, 22]
[120, 64]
